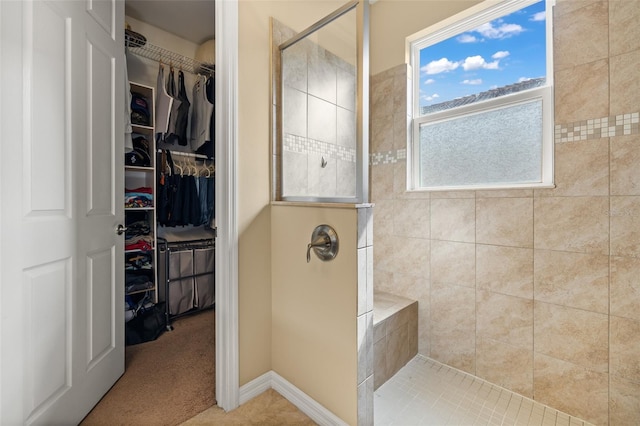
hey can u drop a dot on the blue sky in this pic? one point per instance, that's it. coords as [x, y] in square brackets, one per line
[501, 52]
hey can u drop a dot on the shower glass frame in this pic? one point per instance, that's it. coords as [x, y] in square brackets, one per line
[361, 9]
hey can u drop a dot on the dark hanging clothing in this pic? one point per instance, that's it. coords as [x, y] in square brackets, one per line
[183, 199]
[211, 97]
[183, 112]
[172, 135]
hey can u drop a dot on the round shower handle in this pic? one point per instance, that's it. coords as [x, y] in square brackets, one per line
[324, 242]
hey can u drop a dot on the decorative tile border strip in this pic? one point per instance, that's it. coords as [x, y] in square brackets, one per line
[302, 145]
[618, 125]
[387, 157]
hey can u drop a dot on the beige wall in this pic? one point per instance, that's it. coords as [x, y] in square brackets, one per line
[536, 291]
[315, 307]
[254, 218]
[393, 20]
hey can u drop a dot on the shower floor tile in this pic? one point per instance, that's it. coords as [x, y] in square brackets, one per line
[426, 392]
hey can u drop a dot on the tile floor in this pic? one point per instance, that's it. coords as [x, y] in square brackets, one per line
[425, 392]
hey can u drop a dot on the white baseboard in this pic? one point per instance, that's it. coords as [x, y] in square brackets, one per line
[255, 387]
[306, 404]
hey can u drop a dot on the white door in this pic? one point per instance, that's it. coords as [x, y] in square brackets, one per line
[61, 180]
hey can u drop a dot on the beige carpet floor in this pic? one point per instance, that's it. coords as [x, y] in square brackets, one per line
[171, 381]
[166, 381]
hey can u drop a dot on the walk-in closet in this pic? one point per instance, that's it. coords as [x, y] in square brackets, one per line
[170, 226]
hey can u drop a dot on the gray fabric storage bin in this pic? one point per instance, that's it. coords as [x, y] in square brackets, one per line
[181, 291]
[204, 262]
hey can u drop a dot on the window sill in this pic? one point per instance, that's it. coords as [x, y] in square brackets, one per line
[483, 187]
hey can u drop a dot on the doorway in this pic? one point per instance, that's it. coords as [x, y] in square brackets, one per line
[226, 267]
[38, 46]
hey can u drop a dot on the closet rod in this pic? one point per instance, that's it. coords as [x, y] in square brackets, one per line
[159, 54]
[187, 154]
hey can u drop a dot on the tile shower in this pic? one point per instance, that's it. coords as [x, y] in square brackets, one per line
[535, 291]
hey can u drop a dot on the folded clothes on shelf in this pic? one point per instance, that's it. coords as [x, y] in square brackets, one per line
[138, 279]
[137, 228]
[138, 200]
[138, 242]
[138, 260]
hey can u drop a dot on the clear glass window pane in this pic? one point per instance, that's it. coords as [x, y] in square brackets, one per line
[496, 58]
[498, 146]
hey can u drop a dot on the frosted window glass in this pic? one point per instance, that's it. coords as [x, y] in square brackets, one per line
[498, 146]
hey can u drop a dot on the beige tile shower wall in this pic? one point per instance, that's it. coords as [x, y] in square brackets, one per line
[537, 291]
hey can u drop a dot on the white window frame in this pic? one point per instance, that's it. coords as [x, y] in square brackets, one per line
[467, 20]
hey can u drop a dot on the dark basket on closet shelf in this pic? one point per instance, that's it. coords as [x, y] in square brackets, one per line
[186, 277]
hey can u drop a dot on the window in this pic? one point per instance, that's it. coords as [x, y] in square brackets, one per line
[483, 99]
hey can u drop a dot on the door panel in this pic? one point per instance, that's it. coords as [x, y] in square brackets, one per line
[46, 199]
[100, 120]
[47, 114]
[62, 289]
[48, 330]
[103, 202]
[100, 196]
[103, 13]
[102, 334]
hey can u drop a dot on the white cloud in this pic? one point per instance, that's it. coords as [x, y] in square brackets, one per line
[441, 65]
[540, 16]
[467, 38]
[521, 79]
[500, 54]
[473, 82]
[429, 81]
[430, 98]
[473, 63]
[477, 62]
[503, 31]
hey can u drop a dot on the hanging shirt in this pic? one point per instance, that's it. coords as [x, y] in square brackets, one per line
[196, 112]
[211, 98]
[175, 105]
[128, 130]
[164, 103]
[208, 111]
[203, 110]
[183, 112]
[207, 148]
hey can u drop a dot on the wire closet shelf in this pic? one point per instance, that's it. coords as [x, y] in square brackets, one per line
[159, 54]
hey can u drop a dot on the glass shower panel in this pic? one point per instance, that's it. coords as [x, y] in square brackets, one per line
[319, 115]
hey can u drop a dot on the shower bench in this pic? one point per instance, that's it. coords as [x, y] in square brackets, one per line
[395, 333]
